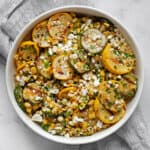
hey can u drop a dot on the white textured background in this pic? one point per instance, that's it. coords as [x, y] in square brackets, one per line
[135, 15]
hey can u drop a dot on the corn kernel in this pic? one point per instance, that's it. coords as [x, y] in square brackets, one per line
[45, 121]
[84, 125]
[96, 104]
[33, 70]
[78, 30]
[28, 110]
[27, 105]
[92, 115]
[52, 125]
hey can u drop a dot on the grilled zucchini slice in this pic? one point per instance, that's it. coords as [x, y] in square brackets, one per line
[28, 50]
[93, 40]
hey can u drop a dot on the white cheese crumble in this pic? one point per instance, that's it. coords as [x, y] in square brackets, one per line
[37, 98]
[53, 132]
[37, 118]
[119, 77]
[71, 36]
[84, 92]
[44, 43]
[74, 56]
[50, 51]
[96, 82]
[99, 124]
[21, 80]
[111, 117]
[60, 118]
[54, 91]
[67, 135]
[76, 119]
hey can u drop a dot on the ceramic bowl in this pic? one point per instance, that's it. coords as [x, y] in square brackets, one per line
[10, 70]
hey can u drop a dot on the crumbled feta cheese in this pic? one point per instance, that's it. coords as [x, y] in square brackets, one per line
[45, 109]
[71, 36]
[71, 123]
[116, 86]
[110, 82]
[86, 76]
[93, 60]
[44, 43]
[76, 119]
[37, 98]
[21, 80]
[54, 91]
[96, 82]
[74, 56]
[84, 92]
[54, 49]
[58, 128]
[37, 118]
[111, 117]
[60, 118]
[50, 51]
[53, 132]
[42, 57]
[109, 37]
[99, 124]
[119, 77]
[109, 75]
[67, 135]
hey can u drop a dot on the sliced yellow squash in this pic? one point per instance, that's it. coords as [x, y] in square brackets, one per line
[59, 25]
[33, 93]
[129, 85]
[106, 116]
[64, 92]
[61, 68]
[110, 95]
[28, 50]
[118, 62]
[40, 35]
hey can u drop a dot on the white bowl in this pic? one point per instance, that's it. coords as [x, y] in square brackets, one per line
[10, 70]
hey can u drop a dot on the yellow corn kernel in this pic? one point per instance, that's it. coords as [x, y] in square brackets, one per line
[106, 24]
[33, 70]
[102, 75]
[92, 115]
[27, 105]
[96, 104]
[84, 125]
[45, 121]
[91, 102]
[91, 26]
[29, 110]
[78, 30]
[52, 125]
[36, 106]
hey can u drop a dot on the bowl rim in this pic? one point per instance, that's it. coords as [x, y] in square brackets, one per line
[76, 140]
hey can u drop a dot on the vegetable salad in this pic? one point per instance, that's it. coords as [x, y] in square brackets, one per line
[75, 74]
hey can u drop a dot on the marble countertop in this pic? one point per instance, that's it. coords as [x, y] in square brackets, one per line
[135, 15]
